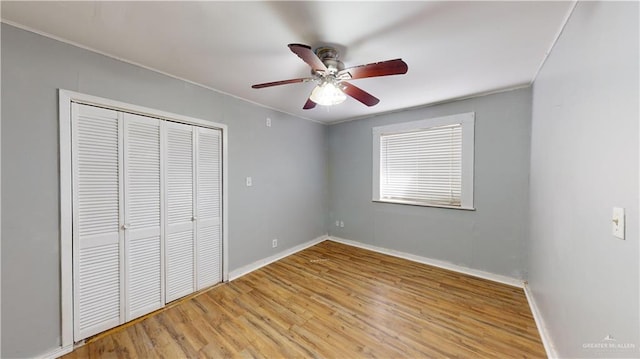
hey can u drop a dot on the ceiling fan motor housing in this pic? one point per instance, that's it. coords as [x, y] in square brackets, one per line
[329, 57]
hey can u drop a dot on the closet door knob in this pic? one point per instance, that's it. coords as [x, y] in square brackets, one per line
[125, 226]
[193, 219]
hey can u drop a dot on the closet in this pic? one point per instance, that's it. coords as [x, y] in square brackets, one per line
[146, 214]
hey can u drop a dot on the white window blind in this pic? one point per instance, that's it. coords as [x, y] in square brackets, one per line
[422, 166]
[427, 162]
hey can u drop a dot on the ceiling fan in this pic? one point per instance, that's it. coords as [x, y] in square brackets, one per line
[332, 78]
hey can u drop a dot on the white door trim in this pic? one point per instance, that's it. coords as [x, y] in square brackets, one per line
[65, 98]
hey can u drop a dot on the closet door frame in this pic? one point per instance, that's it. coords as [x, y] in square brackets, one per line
[65, 100]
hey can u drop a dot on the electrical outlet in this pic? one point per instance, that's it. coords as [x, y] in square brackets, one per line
[268, 122]
[274, 243]
[337, 223]
[249, 182]
[341, 224]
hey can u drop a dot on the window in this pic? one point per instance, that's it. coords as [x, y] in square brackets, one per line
[425, 163]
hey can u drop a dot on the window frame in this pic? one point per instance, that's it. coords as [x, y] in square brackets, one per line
[467, 122]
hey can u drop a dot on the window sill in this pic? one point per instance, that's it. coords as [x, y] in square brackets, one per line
[420, 204]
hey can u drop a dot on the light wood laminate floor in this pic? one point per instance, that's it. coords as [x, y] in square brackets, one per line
[335, 301]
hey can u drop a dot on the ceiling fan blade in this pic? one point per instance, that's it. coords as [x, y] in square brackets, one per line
[307, 55]
[384, 68]
[283, 82]
[309, 105]
[359, 94]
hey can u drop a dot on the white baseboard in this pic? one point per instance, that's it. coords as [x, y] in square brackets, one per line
[237, 273]
[542, 329]
[434, 262]
[57, 352]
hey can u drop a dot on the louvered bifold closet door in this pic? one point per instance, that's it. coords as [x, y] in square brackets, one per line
[97, 237]
[180, 244]
[208, 206]
[142, 213]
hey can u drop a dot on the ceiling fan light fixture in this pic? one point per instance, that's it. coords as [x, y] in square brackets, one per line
[332, 77]
[327, 94]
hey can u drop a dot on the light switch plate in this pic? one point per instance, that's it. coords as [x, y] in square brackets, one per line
[268, 122]
[618, 222]
[249, 182]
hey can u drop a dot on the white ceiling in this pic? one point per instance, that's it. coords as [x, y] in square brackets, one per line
[453, 49]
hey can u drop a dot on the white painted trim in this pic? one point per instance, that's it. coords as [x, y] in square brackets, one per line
[0, 207]
[66, 219]
[57, 352]
[553, 43]
[225, 206]
[57, 38]
[434, 262]
[542, 329]
[239, 272]
[65, 99]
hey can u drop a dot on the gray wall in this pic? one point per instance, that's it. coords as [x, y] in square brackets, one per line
[287, 163]
[491, 238]
[584, 162]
